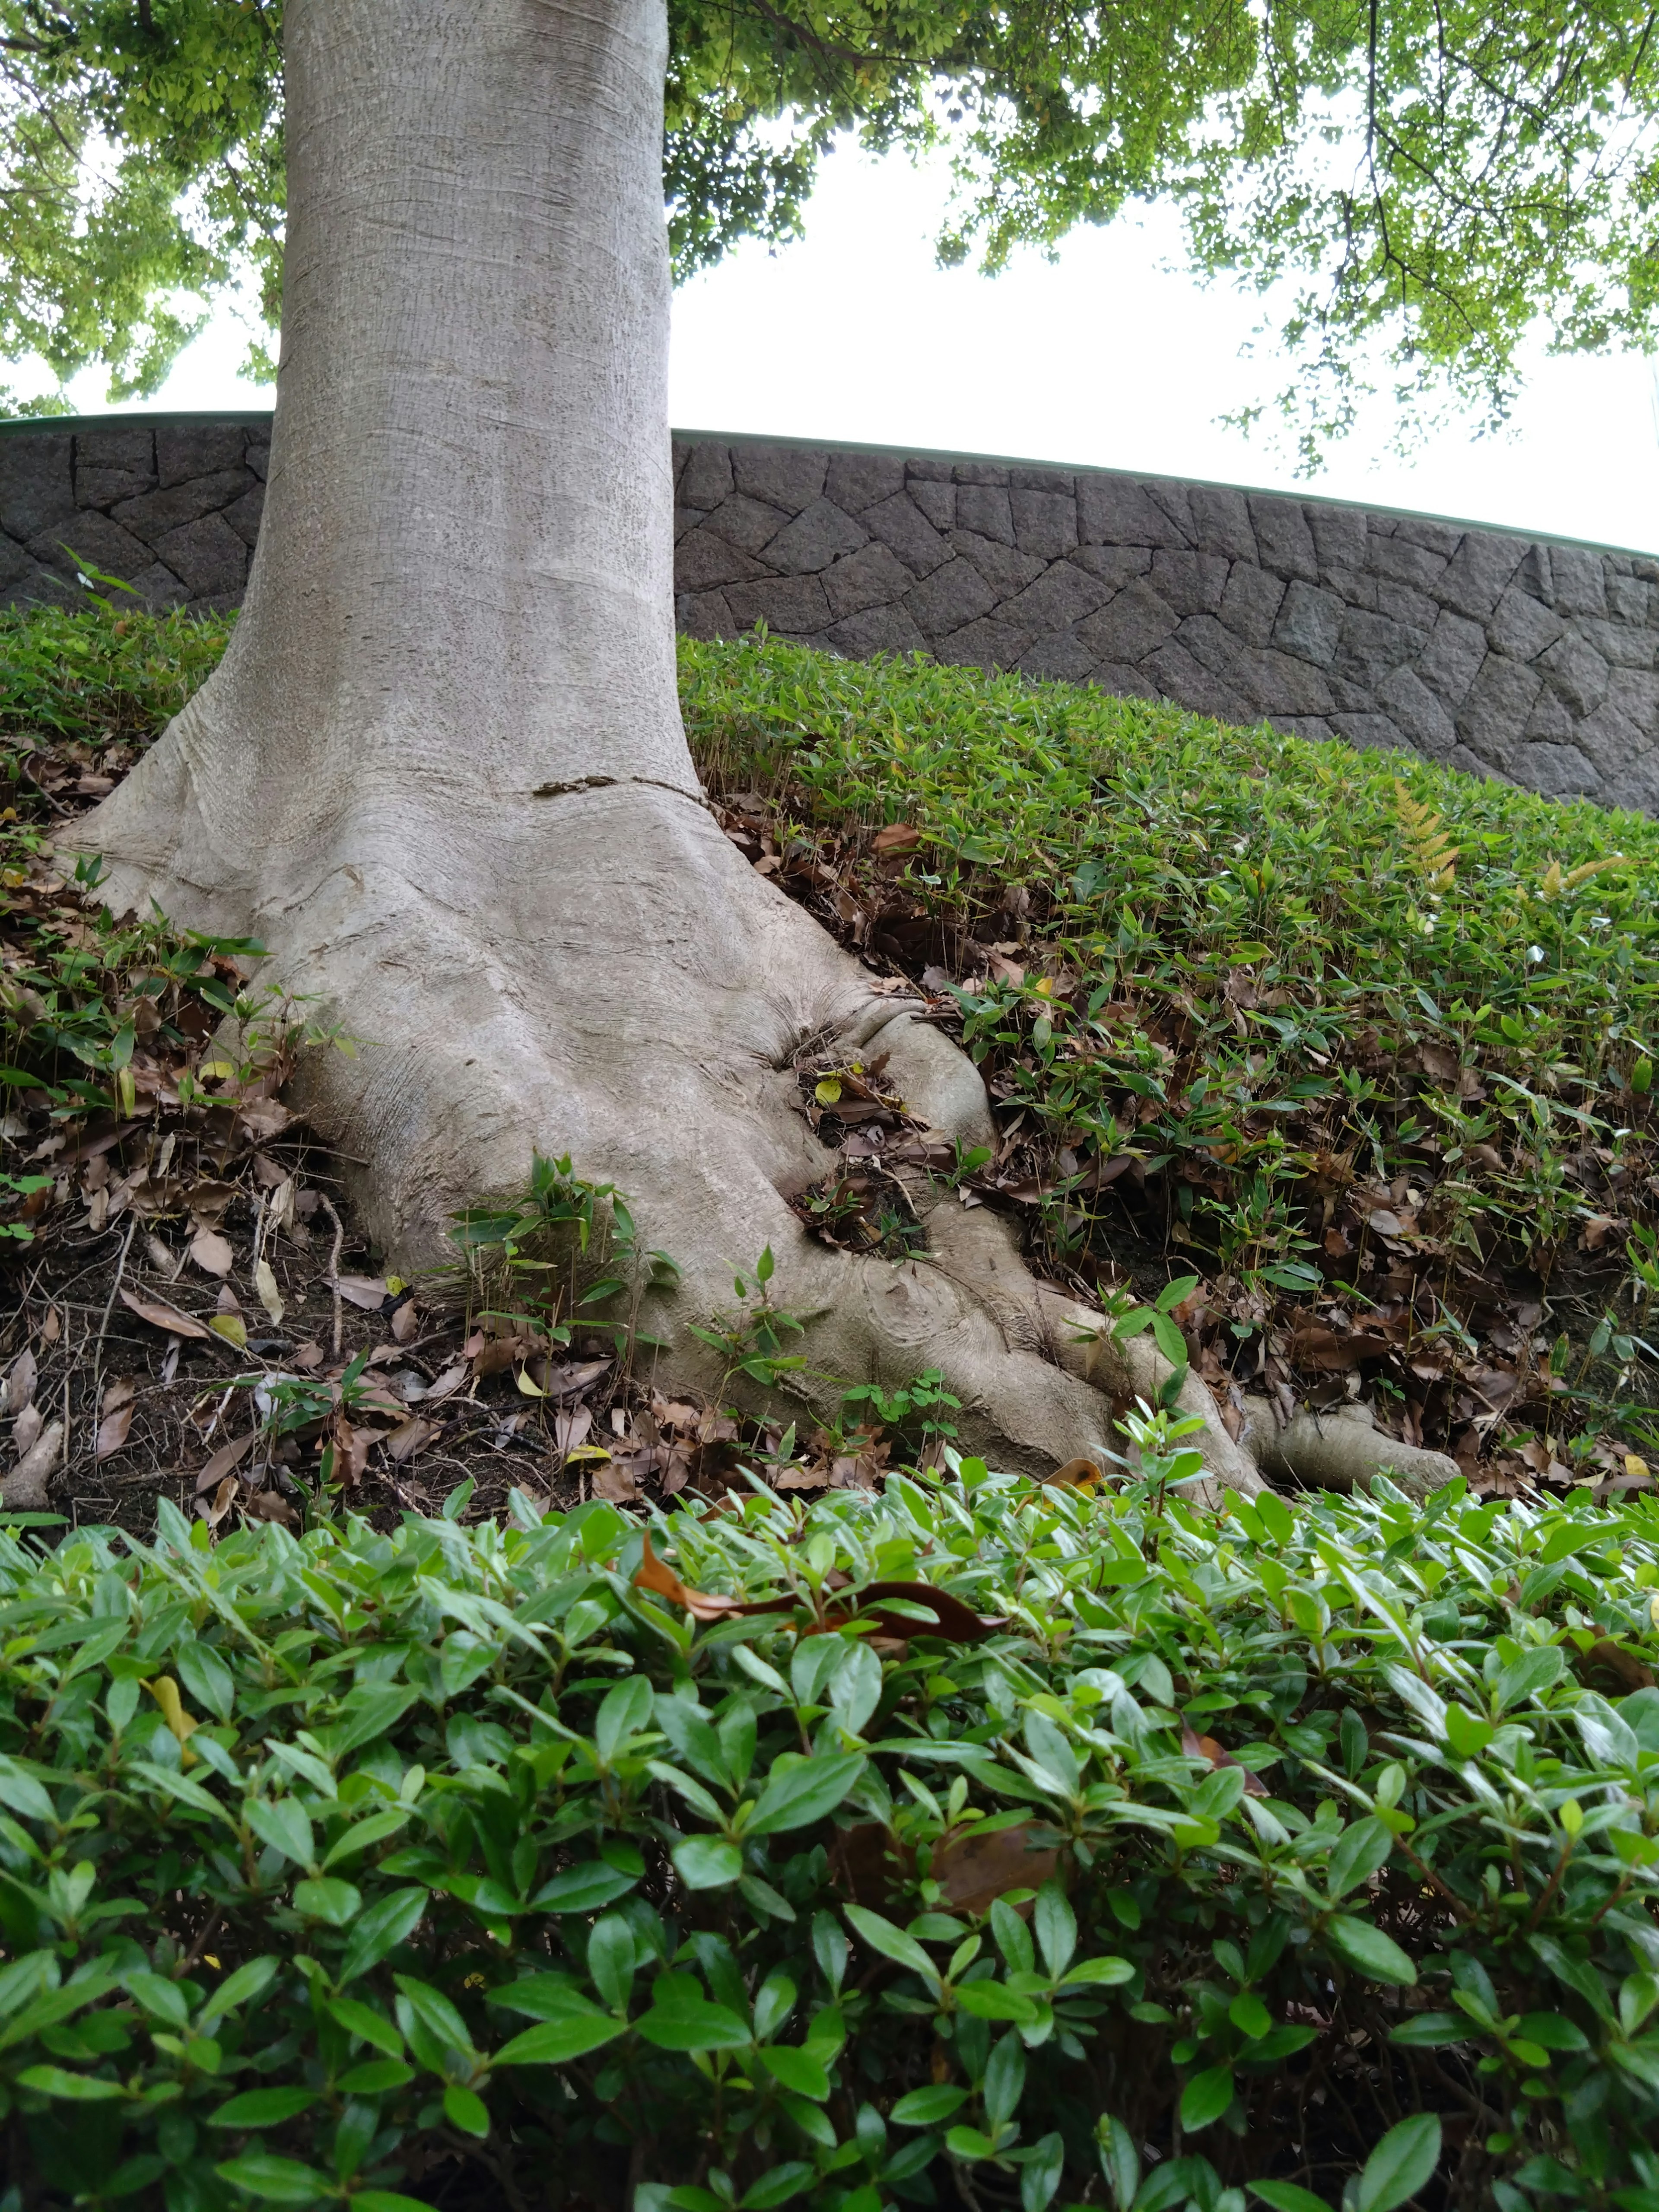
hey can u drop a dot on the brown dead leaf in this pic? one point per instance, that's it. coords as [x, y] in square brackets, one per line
[615, 1480]
[1003, 971]
[813, 1477]
[212, 1252]
[162, 1317]
[655, 1574]
[1205, 1746]
[897, 837]
[112, 1432]
[1076, 1474]
[20, 1381]
[1596, 1232]
[271, 1505]
[27, 1427]
[367, 1291]
[1607, 1657]
[214, 1511]
[262, 1119]
[308, 1357]
[446, 1384]
[352, 1446]
[120, 1393]
[976, 1870]
[571, 1428]
[227, 1457]
[407, 1438]
[406, 1323]
[208, 1200]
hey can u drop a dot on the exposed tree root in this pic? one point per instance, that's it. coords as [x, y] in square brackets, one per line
[1338, 1449]
[625, 989]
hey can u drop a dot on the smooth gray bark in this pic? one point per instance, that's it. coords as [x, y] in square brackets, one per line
[440, 772]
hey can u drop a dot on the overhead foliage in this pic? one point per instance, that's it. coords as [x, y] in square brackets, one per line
[1428, 180]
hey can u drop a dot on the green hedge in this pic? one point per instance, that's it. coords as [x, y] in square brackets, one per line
[453, 1864]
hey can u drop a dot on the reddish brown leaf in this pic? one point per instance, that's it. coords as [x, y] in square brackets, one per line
[227, 1457]
[367, 1291]
[615, 1479]
[976, 1870]
[271, 1505]
[162, 1317]
[896, 837]
[655, 1574]
[212, 1252]
[1205, 1746]
[112, 1432]
[405, 1323]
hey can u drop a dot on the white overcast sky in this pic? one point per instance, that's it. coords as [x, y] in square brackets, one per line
[1107, 356]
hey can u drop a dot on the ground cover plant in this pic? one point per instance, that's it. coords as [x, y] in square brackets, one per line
[982, 1844]
[1352, 1053]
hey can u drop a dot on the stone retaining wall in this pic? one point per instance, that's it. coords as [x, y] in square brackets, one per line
[1536, 659]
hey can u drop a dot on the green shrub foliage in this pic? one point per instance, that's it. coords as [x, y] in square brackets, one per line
[1244, 1857]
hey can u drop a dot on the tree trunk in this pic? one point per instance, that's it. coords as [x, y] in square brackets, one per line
[440, 772]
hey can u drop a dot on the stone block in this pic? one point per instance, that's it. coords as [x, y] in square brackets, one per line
[1354, 586]
[37, 481]
[949, 598]
[198, 449]
[1251, 601]
[935, 468]
[748, 523]
[1523, 627]
[1635, 786]
[1005, 569]
[92, 536]
[1403, 603]
[112, 464]
[1415, 708]
[1191, 685]
[1480, 573]
[1580, 579]
[207, 557]
[1498, 706]
[1115, 510]
[704, 614]
[154, 513]
[1372, 645]
[1126, 682]
[937, 502]
[855, 480]
[14, 562]
[1062, 595]
[1060, 658]
[40, 587]
[1191, 583]
[984, 509]
[1451, 660]
[1634, 693]
[1130, 625]
[704, 561]
[1549, 722]
[819, 534]
[1535, 575]
[1609, 740]
[159, 589]
[789, 476]
[1113, 564]
[789, 604]
[1173, 500]
[1371, 733]
[1577, 674]
[1403, 563]
[1309, 623]
[1629, 599]
[1060, 482]
[900, 524]
[1441, 537]
[1221, 521]
[1045, 522]
[257, 457]
[1284, 542]
[1268, 681]
[877, 629]
[1559, 771]
[1339, 536]
[871, 577]
[1313, 729]
[1622, 643]
[983, 644]
[978, 472]
[708, 477]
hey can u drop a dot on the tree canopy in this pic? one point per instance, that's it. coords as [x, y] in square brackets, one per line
[1420, 185]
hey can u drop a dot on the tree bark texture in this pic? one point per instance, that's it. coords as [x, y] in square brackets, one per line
[440, 772]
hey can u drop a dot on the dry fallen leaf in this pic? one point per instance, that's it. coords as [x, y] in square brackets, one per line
[978, 1869]
[406, 1322]
[214, 1511]
[406, 1439]
[1077, 1474]
[271, 1505]
[27, 1427]
[165, 1261]
[1205, 1746]
[20, 1381]
[653, 1574]
[571, 1428]
[119, 1391]
[227, 1457]
[270, 1296]
[616, 1482]
[897, 837]
[162, 1317]
[112, 1432]
[307, 1356]
[367, 1291]
[212, 1252]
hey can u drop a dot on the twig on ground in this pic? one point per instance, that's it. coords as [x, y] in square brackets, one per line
[327, 1205]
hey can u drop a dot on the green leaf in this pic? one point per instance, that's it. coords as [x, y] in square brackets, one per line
[708, 1862]
[207, 1678]
[78, 2088]
[385, 2200]
[1206, 2097]
[1402, 2163]
[1430, 2031]
[796, 2069]
[390, 1920]
[248, 1982]
[263, 2108]
[693, 2025]
[586, 1888]
[465, 2110]
[328, 1898]
[1359, 1851]
[1369, 1951]
[991, 2000]
[376, 2077]
[776, 2187]
[927, 2108]
[276, 2180]
[1286, 2197]
[1104, 1973]
[556, 2042]
[363, 1835]
[893, 1943]
[803, 1794]
[1526, 1677]
[366, 2024]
